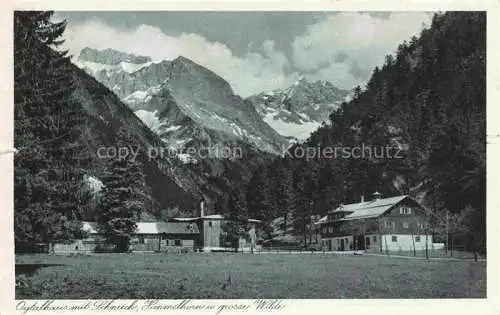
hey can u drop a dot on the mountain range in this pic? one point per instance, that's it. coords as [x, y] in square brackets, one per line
[220, 137]
[268, 120]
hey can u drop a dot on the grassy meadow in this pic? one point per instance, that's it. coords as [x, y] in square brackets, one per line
[230, 275]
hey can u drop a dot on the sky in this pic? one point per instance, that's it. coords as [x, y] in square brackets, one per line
[253, 51]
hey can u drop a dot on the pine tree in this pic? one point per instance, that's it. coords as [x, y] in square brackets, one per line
[304, 189]
[259, 195]
[285, 194]
[237, 218]
[49, 164]
[124, 197]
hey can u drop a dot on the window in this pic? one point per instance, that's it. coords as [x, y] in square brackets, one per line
[141, 240]
[421, 226]
[405, 210]
[417, 239]
[177, 242]
[389, 224]
[405, 225]
[209, 223]
[330, 229]
[394, 238]
[374, 239]
[324, 230]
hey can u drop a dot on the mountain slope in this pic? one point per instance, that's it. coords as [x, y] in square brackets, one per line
[173, 185]
[300, 109]
[198, 118]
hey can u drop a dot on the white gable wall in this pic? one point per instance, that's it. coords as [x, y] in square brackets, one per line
[404, 242]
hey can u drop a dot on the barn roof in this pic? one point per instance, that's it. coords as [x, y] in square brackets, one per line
[153, 227]
[366, 209]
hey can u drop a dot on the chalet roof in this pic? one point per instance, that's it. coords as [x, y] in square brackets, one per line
[214, 217]
[153, 228]
[322, 220]
[366, 209]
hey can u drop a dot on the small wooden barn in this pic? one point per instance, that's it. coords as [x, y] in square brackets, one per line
[149, 236]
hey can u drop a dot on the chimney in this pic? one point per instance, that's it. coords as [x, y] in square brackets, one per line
[202, 208]
[377, 195]
[362, 198]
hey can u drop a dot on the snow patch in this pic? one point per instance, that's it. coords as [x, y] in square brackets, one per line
[137, 95]
[150, 119]
[140, 96]
[186, 158]
[304, 116]
[180, 142]
[133, 67]
[94, 183]
[299, 131]
[173, 128]
[94, 67]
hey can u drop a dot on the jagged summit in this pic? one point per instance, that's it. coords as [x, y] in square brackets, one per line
[110, 56]
[182, 59]
[301, 108]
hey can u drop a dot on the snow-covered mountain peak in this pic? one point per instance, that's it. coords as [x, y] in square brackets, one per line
[107, 62]
[183, 102]
[301, 108]
[111, 57]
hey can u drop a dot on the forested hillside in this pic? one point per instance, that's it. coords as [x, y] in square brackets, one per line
[428, 103]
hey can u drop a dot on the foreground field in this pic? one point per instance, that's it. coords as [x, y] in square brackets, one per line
[229, 275]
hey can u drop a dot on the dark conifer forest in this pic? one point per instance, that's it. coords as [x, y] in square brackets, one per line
[428, 103]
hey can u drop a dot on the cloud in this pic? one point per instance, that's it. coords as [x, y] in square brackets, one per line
[261, 69]
[341, 48]
[351, 44]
